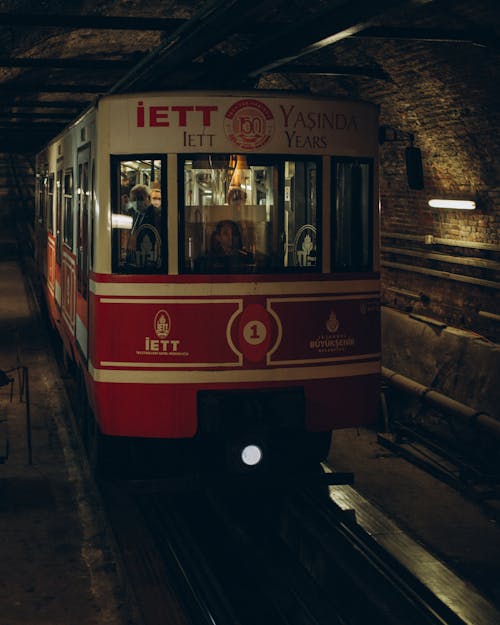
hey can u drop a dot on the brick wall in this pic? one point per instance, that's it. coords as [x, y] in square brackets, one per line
[447, 95]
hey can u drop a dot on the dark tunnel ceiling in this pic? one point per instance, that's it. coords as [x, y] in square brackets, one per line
[57, 58]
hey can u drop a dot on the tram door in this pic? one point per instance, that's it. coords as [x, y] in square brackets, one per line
[51, 247]
[58, 232]
[68, 266]
[82, 238]
[41, 229]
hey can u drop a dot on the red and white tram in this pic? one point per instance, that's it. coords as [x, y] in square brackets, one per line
[210, 261]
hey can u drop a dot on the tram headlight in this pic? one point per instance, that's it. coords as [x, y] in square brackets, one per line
[251, 455]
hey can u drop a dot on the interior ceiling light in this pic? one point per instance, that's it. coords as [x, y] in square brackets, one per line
[121, 221]
[461, 204]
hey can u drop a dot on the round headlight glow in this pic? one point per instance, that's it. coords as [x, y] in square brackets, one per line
[251, 455]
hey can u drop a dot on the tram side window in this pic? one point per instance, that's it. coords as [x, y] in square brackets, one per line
[352, 219]
[59, 209]
[50, 204]
[68, 208]
[248, 213]
[42, 183]
[301, 214]
[139, 214]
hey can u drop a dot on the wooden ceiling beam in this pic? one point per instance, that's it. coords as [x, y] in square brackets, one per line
[94, 22]
[216, 21]
[476, 37]
[49, 104]
[111, 22]
[292, 41]
[51, 88]
[69, 63]
[334, 70]
[335, 23]
[65, 118]
[5, 126]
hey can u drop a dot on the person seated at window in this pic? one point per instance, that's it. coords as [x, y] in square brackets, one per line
[226, 239]
[226, 249]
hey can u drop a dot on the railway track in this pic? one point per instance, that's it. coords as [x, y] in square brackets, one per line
[457, 470]
[248, 557]
[299, 560]
[304, 562]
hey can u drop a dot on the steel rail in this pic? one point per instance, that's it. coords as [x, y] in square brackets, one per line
[397, 595]
[280, 577]
[204, 596]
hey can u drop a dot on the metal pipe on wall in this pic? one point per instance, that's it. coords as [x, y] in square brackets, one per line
[443, 258]
[442, 274]
[430, 239]
[489, 315]
[442, 402]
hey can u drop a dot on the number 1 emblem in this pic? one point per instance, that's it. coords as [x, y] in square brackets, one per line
[254, 332]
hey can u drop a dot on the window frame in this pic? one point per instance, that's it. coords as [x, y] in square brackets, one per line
[68, 215]
[265, 160]
[50, 202]
[115, 207]
[362, 160]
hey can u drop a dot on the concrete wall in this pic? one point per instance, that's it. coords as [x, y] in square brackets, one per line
[460, 364]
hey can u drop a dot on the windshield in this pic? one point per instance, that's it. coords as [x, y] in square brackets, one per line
[245, 213]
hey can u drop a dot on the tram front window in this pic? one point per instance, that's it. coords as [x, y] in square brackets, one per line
[352, 220]
[246, 213]
[138, 218]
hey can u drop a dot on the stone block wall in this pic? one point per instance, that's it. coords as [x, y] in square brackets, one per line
[454, 362]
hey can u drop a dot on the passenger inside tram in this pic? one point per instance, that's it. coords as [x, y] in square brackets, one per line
[144, 245]
[226, 249]
[155, 206]
[138, 216]
[226, 240]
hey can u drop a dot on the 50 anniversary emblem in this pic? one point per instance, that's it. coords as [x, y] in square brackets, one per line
[249, 124]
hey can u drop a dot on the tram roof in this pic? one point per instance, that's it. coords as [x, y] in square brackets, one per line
[55, 65]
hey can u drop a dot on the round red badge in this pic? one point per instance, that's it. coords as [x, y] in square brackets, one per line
[249, 124]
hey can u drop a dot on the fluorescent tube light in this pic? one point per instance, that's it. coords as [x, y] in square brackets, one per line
[121, 221]
[462, 204]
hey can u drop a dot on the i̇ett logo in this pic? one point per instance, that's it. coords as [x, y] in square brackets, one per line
[162, 324]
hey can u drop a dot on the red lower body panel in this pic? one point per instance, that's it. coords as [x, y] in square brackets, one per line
[161, 411]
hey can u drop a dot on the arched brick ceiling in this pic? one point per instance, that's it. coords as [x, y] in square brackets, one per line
[431, 65]
[420, 60]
